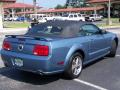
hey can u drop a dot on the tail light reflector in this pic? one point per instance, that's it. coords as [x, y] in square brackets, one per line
[6, 45]
[41, 50]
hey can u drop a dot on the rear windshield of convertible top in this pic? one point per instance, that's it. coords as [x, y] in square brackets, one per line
[45, 29]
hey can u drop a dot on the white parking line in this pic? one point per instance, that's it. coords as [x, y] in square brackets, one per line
[90, 84]
[118, 55]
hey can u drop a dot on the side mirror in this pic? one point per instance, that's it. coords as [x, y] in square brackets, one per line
[103, 31]
[29, 28]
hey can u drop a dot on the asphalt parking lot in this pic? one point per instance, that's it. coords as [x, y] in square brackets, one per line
[101, 75]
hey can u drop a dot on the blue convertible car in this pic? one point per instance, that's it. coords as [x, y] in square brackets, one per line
[58, 46]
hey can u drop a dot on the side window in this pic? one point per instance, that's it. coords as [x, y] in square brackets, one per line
[75, 15]
[71, 16]
[88, 30]
[79, 15]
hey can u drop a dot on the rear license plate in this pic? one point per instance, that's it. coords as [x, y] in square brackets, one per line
[18, 62]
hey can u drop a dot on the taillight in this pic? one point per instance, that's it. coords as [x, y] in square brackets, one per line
[6, 45]
[41, 50]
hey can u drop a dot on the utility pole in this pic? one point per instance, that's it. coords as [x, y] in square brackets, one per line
[1, 22]
[24, 11]
[35, 6]
[109, 12]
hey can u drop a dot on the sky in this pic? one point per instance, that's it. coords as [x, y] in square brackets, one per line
[45, 3]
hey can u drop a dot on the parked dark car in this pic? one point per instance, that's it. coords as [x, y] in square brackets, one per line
[58, 46]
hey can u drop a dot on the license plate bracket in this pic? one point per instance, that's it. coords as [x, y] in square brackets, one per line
[18, 62]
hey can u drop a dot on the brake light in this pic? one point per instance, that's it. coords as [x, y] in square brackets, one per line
[41, 50]
[6, 45]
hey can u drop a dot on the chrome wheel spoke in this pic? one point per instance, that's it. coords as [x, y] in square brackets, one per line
[75, 71]
[77, 61]
[76, 65]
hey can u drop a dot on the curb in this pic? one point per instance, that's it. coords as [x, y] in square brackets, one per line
[12, 30]
[113, 31]
[110, 27]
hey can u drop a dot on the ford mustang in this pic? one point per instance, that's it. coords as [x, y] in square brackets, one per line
[57, 47]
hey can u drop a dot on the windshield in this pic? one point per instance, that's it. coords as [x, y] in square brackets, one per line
[45, 29]
[91, 15]
[79, 15]
[66, 15]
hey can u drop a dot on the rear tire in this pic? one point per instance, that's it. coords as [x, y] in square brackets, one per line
[113, 49]
[80, 20]
[92, 20]
[75, 66]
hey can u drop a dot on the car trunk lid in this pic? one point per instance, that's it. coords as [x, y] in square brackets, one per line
[25, 44]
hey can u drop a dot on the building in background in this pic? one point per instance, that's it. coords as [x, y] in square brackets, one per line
[115, 6]
[13, 9]
[75, 3]
[4, 2]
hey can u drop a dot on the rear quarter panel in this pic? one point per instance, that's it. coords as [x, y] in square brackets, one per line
[63, 49]
[111, 37]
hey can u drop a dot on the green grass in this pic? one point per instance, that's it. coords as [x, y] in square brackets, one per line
[115, 22]
[105, 25]
[16, 24]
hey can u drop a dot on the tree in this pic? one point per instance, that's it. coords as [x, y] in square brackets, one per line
[76, 3]
[60, 6]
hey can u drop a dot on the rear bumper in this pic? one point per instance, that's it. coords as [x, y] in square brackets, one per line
[31, 63]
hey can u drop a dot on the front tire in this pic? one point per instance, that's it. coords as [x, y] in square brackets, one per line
[113, 49]
[75, 66]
